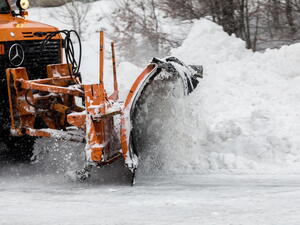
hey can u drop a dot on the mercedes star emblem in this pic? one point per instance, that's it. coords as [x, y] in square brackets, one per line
[16, 55]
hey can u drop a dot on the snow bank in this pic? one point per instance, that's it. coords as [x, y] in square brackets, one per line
[207, 43]
[245, 114]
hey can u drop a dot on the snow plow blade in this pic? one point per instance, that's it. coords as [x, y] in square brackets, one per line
[166, 70]
[49, 107]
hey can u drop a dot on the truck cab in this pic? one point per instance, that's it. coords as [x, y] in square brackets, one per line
[21, 47]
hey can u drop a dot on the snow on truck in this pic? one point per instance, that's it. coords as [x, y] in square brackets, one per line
[42, 94]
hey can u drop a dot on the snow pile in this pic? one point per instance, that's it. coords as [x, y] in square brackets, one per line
[245, 114]
[207, 43]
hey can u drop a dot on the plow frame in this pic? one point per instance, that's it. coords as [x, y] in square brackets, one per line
[63, 118]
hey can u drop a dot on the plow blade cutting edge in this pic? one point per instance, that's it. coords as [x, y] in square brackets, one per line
[168, 70]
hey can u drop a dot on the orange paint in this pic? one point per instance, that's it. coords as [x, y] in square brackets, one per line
[31, 85]
[19, 29]
[132, 92]
[115, 95]
[2, 51]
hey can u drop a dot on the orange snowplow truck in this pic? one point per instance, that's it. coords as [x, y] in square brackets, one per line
[42, 94]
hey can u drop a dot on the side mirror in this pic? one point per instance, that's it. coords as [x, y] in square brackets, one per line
[22, 5]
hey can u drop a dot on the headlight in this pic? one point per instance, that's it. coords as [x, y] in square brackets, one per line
[23, 4]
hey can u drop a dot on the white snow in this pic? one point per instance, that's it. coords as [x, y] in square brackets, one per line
[248, 103]
[207, 43]
[192, 200]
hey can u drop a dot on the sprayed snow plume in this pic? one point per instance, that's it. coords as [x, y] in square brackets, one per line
[242, 118]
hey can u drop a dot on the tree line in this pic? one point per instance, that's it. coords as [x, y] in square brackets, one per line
[260, 23]
[139, 24]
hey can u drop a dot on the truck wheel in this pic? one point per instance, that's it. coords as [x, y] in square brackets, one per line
[17, 149]
[20, 148]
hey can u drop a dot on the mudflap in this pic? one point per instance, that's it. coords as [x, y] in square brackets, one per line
[166, 70]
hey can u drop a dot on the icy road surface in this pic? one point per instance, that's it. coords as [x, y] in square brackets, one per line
[194, 199]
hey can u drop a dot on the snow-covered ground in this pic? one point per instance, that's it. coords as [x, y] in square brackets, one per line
[208, 200]
[228, 154]
[41, 194]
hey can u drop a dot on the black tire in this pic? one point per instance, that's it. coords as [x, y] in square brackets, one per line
[20, 149]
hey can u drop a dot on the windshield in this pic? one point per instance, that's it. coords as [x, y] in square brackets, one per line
[4, 7]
